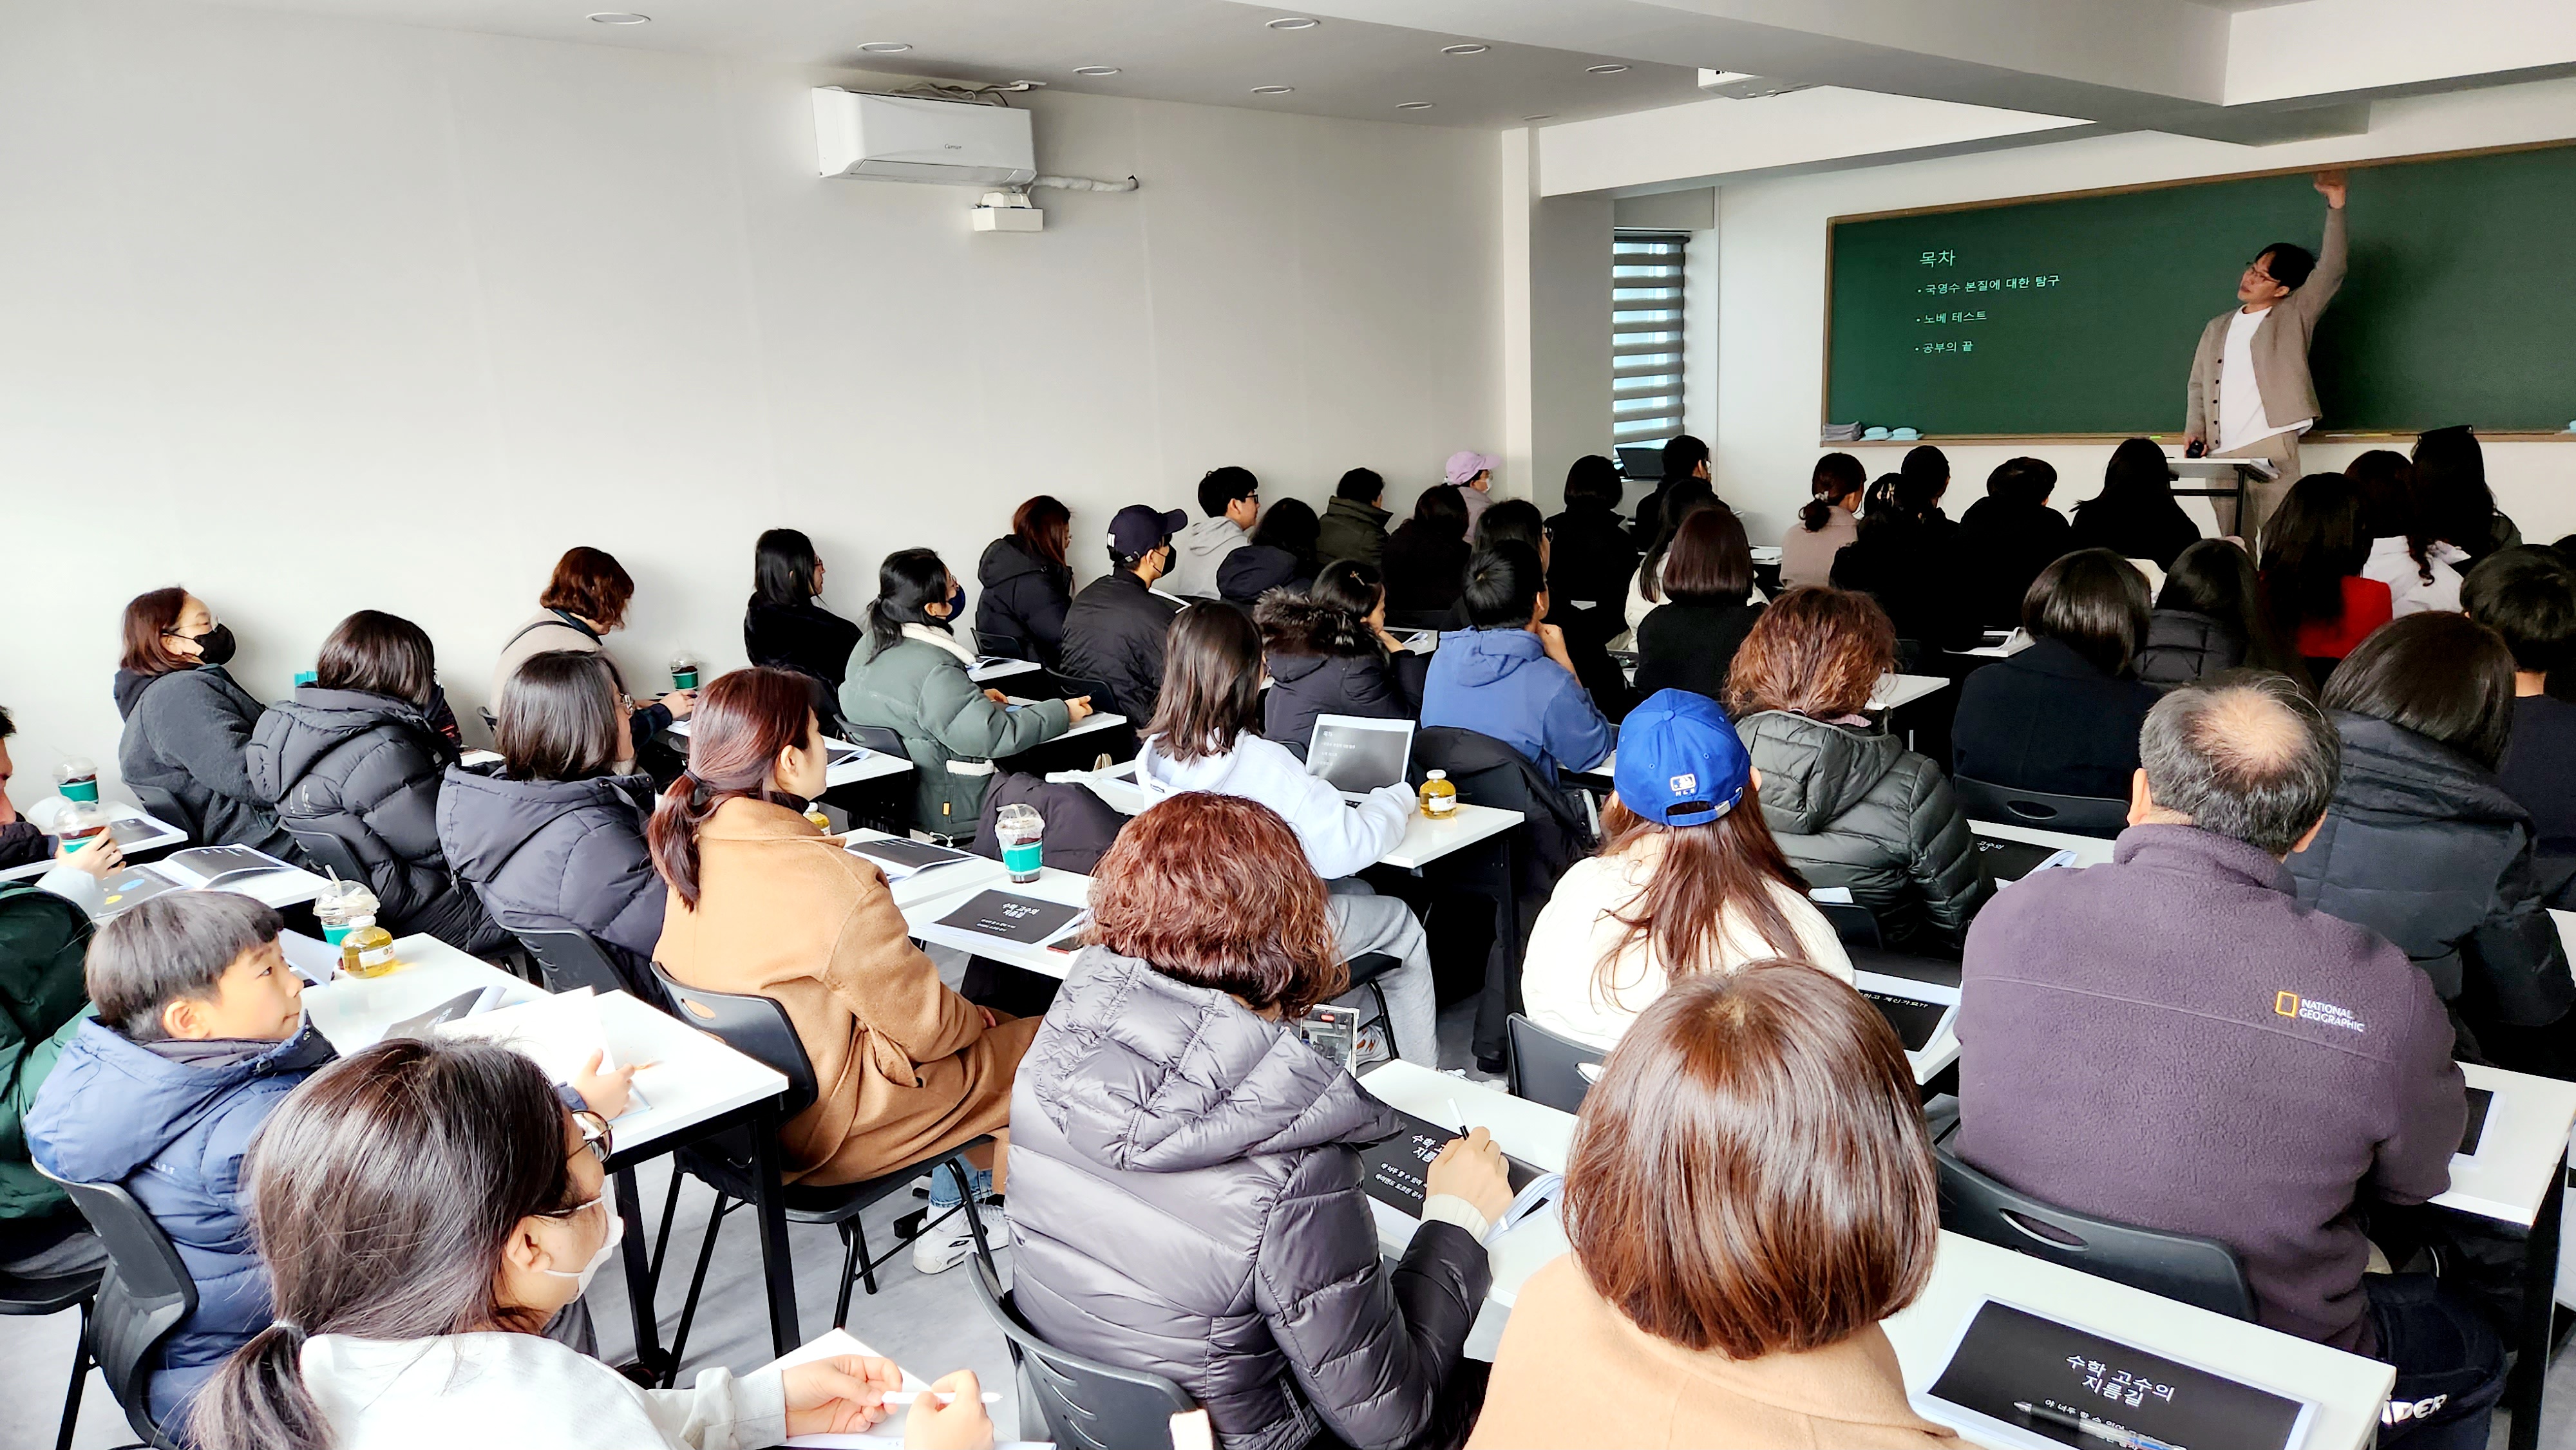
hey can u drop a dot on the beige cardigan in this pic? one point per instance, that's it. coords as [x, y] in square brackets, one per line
[1572, 1370]
[2280, 346]
[903, 1067]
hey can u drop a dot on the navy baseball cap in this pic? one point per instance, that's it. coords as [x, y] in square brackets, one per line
[1138, 528]
[1680, 761]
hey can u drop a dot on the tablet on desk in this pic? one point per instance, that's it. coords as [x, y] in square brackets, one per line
[1358, 754]
[2023, 1379]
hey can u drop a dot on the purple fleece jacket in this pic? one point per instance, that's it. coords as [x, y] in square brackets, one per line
[2172, 1041]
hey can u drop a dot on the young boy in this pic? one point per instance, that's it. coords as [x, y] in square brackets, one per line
[200, 1034]
[1509, 676]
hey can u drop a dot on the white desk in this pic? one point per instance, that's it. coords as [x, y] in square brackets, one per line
[1426, 839]
[869, 764]
[1070, 888]
[2348, 1389]
[46, 816]
[959, 879]
[287, 886]
[1099, 720]
[2524, 1142]
[1895, 690]
[1001, 670]
[2089, 850]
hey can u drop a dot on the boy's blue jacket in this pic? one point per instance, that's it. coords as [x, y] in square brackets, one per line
[174, 1133]
[1500, 682]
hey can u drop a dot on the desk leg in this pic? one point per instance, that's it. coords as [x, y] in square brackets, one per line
[1502, 970]
[2530, 1377]
[776, 1266]
[639, 1278]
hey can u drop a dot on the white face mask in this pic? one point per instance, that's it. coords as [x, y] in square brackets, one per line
[607, 1246]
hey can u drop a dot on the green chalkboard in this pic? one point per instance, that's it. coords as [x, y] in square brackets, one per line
[2078, 314]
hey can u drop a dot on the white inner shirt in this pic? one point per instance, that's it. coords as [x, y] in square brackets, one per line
[2240, 399]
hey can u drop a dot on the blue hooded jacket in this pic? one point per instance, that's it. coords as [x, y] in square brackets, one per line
[1500, 682]
[174, 1134]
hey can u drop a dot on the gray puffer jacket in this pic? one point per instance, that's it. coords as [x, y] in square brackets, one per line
[1185, 1199]
[184, 755]
[1854, 808]
[546, 855]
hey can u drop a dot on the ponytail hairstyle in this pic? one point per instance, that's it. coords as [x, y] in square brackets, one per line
[908, 580]
[1838, 477]
[744, 720]
[383, 1192]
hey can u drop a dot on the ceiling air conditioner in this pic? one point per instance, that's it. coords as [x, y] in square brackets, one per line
[912, 138]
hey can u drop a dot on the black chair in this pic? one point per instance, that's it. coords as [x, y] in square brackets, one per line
[2182, 1267]
[1085, 1404]
[40, 1298]
[2080, 815]
[144, 1295]
[1071, 687]
[1546, 1068]
[1367, 970]
[328, 852]
[1856, 925]
[727, 1162]
[569, 959]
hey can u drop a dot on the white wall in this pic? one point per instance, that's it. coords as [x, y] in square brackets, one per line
[313, 315]
[1772, 292]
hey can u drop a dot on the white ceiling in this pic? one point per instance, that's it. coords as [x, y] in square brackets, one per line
[1211, 52]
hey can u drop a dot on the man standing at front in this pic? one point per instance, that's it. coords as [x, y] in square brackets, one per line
[2251, 394]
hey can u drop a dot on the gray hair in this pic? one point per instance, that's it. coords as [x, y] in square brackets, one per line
[2245, 755]
[169, 947]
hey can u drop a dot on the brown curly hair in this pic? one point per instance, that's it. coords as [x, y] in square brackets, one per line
[1214, 890]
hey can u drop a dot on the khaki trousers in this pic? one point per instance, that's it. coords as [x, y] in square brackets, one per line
[2261, 495]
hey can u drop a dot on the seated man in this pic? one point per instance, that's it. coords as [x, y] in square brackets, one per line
[2528, 595]
[2172, 1041]
[1509, 676]
[1113, 630]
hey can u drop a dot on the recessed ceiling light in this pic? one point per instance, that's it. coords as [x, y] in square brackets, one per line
[1413, 105]
[1603, 70]
[1294, 22]
[619, 17]
[1464, 49]
[885, 47]
[1272, 90]
[1095, 70]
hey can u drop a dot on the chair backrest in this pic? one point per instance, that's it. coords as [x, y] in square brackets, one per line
[329, 851]
[1087, 1405]
[164, 806]
[1069, 687]
[755, 1026]
[1856, 925]
[880, 739]
[145, 1295]
[1546, 1068]
[2184, 1267]
[2082, 815]
[569, 960]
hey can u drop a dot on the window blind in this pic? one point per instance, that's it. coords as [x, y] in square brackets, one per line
[1646, 335]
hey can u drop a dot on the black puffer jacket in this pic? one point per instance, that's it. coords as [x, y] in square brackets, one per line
[1185, 1199]
[1256, 569]
[546, 855]
[1114, 633]
[2184, 648]
[806, 638]
[366, 768]
[1853, 807]
[183, 756]
[2422, 846]
[1022, 611]
[1324, 661]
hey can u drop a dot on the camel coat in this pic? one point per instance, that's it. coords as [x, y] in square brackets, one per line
[1567, 1353]
[903, 1067]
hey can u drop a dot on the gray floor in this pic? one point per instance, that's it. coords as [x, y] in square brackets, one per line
[930, 1323]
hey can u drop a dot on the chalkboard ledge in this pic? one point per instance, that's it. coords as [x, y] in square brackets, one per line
[2316, 437]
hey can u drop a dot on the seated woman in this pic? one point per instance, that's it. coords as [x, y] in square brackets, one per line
[1028, 585]
[1687, 874]
[2452, 496]
[1706, 581]
[761, 901]
[1587, 632]
[2008, 536]
[2062, 716]
[355, 757]
[1826, 524]
[2424, 846]
[424, 1208]
[2421, 571]
[2135, 515]
[188, 726]
[1279, 555]
[555, 841]
[2210, 617]
[786, 625]
[2313, 552]
[1907, 558]
[910, 676]
[1185, 1172]
[1750, 1193]
[1425, 562]
[1206, 737]
[1329, 653]
[584, 602]
[1594, 556]
[1848, 803]
[1681, 499]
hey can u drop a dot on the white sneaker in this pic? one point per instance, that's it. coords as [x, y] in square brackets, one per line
[943, 1246]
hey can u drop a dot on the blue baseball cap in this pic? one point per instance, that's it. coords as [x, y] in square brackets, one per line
[1680, 761]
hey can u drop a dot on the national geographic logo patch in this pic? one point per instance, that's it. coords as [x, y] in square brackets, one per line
[2308, 1009]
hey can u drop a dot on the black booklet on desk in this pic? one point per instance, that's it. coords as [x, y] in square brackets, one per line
[2011, 860]
[1023, 919]
[2044, 1381]
[1391, 1169]
[2480, 1100]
